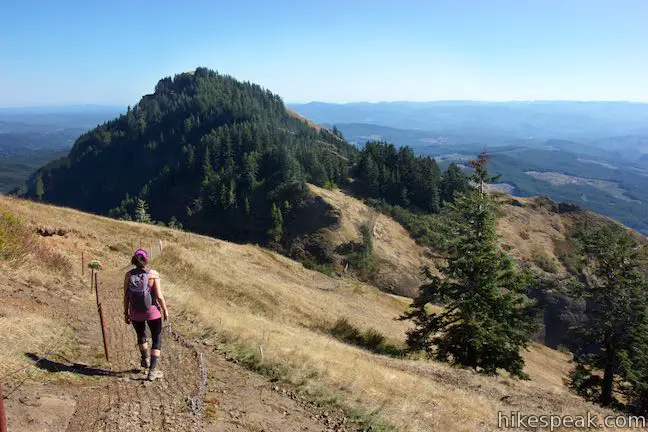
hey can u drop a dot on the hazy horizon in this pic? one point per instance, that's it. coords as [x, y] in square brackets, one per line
[288, 103]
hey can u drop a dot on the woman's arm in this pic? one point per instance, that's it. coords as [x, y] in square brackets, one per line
[126, 302]
[158, 293]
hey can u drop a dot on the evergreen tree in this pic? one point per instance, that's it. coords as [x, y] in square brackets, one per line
[481, 176]
[634, 361]
[399, 177]
[487, 317]
[453, 182]
[427, 179]
[337, 132]
[173, 223]
[39, 188]
[141, 212]
[276, 231]
[371, 177]
[613, 338]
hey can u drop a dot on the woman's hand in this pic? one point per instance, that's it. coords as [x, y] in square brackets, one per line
[165, 314]
[127, 318]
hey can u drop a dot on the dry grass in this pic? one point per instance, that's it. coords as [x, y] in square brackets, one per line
[19, 244]
[533, 234]
[22, 332]
[398, 256]
[249, 296]
[402, 391]
[304, 119]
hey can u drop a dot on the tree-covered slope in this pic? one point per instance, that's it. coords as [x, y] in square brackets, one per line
[220, 156]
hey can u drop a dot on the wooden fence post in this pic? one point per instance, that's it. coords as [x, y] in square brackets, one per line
[103, 332]
[92, 278]
[96, 286]
[101, 317]
[3, 417]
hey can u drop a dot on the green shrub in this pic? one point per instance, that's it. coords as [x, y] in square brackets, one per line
[344, 330]
[427, 229]
[361, 256]
[94, 265]
[369, 339]
[545, 262]
[330, 185]
[569, 256]
[373, 339]
[327, 268]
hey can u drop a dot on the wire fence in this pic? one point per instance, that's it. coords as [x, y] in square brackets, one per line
[25, 373]
[113, 276]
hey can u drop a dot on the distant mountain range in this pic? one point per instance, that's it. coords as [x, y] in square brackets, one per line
[56, 117]
[594, 154]
[513, 120]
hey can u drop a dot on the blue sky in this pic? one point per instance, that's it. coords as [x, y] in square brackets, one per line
[113, 52]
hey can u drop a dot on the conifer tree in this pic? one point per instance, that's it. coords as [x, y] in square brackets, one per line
[487, 317]
[141, 212]
[372, 175]
[614, 337]
[276, 230]
[453, 182]
[39, 188]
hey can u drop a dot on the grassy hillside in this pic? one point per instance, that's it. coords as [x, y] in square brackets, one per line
[259, 309]
[397, 256]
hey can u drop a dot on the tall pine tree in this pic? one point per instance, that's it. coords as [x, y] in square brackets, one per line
[454, 182]
[486, 318]
[141, 211]
[614, 337]
[276, 230]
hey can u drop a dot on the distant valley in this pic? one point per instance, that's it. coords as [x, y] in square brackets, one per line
[591, 154]
[32, 137]
[594, 154]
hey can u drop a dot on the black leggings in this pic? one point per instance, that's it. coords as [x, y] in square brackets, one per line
[156, 331]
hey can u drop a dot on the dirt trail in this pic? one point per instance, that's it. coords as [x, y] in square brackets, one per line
[126, 401]
[115, 396]
[234, 398]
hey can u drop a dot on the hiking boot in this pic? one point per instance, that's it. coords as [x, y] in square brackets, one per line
[145, 362]
[154, 374]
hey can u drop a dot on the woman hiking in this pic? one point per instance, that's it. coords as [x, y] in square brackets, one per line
[144, 304]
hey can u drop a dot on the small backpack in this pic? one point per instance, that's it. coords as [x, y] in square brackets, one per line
[139, 292]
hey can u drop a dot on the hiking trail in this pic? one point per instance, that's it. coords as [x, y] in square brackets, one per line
[127, 401]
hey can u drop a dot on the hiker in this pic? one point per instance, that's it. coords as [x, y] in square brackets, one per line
[144, 304]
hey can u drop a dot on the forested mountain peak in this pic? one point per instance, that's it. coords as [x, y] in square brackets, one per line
[218, 155]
